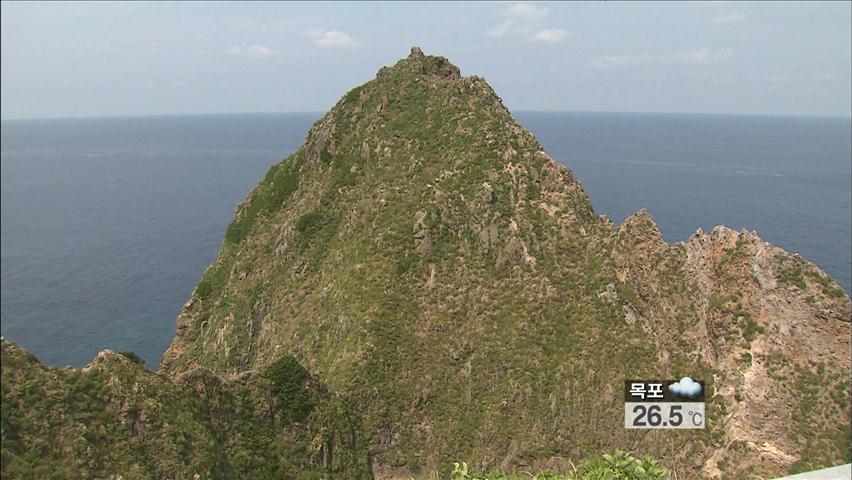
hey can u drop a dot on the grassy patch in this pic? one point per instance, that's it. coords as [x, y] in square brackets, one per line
[352, 95]
[717, 302]
[214, 279]
[829, 288]
[618, 466]
[280, 182]
[316, 229]
[792, 275]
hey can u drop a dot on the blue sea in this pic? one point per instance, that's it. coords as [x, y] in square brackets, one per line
[107, 224]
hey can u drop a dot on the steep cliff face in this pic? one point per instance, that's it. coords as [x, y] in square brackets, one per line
[116, 419]
[774, 329]
[424, 256]
[422, 253]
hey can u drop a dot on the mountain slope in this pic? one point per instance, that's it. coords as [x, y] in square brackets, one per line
[116, 419]
[424, 257]
[423, 254]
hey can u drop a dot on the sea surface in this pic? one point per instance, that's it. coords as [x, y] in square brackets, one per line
[107, 224]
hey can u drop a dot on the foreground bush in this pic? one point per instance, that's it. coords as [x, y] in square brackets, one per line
[618, 466]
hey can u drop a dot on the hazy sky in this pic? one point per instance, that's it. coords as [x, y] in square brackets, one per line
[111, 58]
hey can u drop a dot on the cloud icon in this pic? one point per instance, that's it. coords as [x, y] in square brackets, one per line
[686, 387]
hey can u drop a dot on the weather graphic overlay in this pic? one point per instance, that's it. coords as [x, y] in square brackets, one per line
[664, 404]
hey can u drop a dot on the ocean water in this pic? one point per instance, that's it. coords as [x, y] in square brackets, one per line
[107, 224]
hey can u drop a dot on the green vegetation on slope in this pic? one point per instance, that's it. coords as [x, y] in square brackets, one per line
[453, 286]
[432, 264]
[294, 401]
[117, 418]
[618, 466]
[281, 181]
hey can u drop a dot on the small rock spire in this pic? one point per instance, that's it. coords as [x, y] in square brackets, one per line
[416, 53]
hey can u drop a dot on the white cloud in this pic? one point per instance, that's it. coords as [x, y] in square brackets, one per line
[550, 35]
[527, 20]
[253, 51]
[729, 18]
[704, 56]
[331, 39]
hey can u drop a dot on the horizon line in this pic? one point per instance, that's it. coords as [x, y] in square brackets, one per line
[319, 112]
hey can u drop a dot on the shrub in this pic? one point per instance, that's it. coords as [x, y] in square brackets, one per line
[622, 466]
[133, 357]
[792, 276]
[310, 224]
[204, 288]
[618, 466]
[293, 399]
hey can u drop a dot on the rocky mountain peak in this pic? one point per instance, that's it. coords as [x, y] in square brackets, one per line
[416, 53]
[426, 259]
[641, 225]
[419, 64]
[422, 243]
